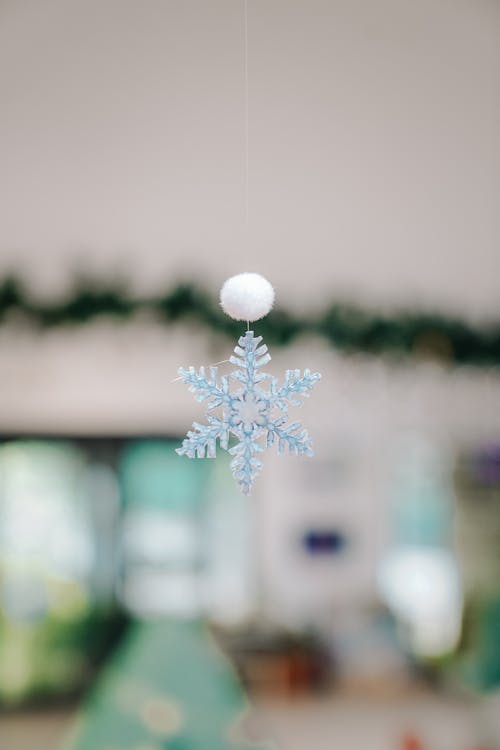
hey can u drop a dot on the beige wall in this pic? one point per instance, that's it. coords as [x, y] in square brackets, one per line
[374, 144]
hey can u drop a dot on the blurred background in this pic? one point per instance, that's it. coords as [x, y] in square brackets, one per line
[353, 600]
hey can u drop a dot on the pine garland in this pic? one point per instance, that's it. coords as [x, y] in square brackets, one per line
[347, 327]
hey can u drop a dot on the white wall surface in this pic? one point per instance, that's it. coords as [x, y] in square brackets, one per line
[374, 162]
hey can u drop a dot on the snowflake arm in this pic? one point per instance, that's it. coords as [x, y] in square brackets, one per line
[202, 439]
[206, 387]
[250, 358]
[293, 435]
[297, 385]
[245, 466]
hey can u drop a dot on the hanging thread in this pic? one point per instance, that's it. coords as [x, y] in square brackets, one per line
[214, 364]
[246, 126]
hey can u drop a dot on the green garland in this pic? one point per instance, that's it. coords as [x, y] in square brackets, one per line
[346, 327]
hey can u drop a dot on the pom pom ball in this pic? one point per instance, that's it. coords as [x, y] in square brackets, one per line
[247, 296]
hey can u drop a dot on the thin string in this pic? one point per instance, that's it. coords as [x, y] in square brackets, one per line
[246, 128]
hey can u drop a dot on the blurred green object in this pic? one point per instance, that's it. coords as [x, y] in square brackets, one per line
[168, 687]
[54, 658]
[162, 541]
[479, 665]
[477, 540]
[151, 476]
[57, 616]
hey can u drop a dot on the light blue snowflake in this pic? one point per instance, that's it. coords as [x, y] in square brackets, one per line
[248, 413]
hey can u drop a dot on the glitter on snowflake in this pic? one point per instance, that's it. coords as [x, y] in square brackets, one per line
[254, 415]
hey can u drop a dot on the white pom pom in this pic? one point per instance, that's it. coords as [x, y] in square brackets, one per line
[247, 296]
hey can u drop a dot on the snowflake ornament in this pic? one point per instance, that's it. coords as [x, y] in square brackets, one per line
[253, 414]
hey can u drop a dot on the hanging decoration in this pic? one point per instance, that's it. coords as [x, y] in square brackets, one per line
[250, 414]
